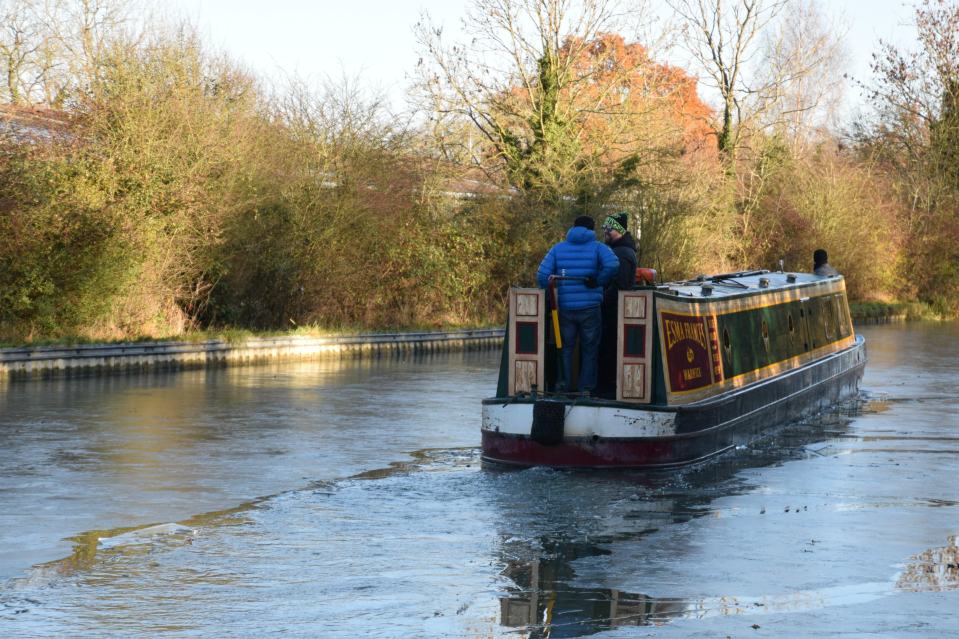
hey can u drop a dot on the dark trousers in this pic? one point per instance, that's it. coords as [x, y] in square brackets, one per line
[587, 324]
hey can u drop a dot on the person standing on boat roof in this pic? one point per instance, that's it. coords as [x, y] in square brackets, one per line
[619, 239]
[821, 263]
[588, 265]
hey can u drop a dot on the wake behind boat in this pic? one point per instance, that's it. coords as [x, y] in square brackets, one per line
[702, 366]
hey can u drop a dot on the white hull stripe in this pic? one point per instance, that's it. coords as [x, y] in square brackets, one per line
[583, 421]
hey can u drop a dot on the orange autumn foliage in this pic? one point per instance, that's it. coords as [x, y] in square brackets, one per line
[622, 92]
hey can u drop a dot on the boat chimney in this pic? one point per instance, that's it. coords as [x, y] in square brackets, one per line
[791, 277]
[763, 282]
[707, 289]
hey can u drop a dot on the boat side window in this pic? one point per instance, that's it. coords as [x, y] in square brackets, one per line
[810, 323]
[726, 344]
[792, 327]
[838, 309]
[828, 318]
[765, 334]
[802, 317]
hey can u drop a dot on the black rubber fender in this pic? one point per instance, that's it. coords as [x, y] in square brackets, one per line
[549, 422]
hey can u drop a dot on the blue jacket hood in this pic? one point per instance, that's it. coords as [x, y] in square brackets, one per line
[580, 256]
[580, 235]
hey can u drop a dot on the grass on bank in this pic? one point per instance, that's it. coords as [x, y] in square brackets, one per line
[886, 310]
[860, 311]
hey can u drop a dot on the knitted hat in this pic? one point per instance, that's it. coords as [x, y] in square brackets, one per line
[617, 222]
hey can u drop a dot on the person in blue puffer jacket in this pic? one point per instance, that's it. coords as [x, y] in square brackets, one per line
[580, 300]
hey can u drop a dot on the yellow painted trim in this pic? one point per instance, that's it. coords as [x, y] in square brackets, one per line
[739, 305]
[783, 365]
[792, 362]
[720, 307]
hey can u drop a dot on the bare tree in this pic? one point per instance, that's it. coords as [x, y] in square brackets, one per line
[86, 27]
[51, 47]
[916, 94]
[802, 71]
[723, 38]
[522, 85]
[21, 38]
[915, 136]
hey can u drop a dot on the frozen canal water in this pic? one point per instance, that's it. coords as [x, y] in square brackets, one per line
[347, 500]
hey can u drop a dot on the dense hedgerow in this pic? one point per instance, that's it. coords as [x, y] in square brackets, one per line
[175, 191]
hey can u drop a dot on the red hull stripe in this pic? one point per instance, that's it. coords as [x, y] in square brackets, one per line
[585, 453]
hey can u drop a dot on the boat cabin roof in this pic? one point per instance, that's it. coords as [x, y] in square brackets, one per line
[726, 285]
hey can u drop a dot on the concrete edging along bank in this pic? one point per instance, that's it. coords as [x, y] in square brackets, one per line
[52, 361]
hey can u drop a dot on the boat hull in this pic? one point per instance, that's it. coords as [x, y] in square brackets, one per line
[601, 434]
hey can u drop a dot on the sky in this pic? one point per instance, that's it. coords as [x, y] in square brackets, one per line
[373, 39]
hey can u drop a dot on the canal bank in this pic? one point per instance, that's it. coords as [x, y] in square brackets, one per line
[44, 362]
[85, 359]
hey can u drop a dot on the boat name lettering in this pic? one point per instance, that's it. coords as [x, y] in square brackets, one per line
[690, 374]
[678, 331]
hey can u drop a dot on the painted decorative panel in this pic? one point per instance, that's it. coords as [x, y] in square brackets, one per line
[527, 338]
[527, 305]
[525, 376]
[634, 337]
[635, 307]
[688, 361]
[634, 340]
[634, 381]
[525, 341]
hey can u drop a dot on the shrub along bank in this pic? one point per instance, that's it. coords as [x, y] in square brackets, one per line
[174, 192]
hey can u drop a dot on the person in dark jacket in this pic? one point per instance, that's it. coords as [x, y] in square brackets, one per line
[820, 261]
[593, 264]
[621, 242]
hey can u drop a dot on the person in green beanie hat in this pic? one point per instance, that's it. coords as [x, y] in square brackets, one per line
[618, 238]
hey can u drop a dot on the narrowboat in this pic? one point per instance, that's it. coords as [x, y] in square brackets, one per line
[702, 366]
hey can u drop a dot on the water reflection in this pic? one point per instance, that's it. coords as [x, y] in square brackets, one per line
[471, 553]
[558, 584]
[543, 603]
[543, 597]
[934, 570]
[104, 452]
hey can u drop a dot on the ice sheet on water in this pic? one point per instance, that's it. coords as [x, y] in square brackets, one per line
[146, 535]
